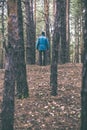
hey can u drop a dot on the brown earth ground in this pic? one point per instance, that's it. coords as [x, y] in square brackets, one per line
[41, 111]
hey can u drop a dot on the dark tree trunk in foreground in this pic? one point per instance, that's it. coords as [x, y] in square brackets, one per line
[7, 115]
[84, 72]
[55, 44]
[21, 77]
[30, 33]
[15, 68]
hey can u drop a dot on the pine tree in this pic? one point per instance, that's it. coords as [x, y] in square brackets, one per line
[30, 33]
[7, 115]
[55, 44]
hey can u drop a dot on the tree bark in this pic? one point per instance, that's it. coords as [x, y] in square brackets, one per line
[30, 33]
[7, 114]
[84, 72]
[3, 37]
[55, 45]
[46, 12]
[21, 76]
[15, 69]
[63, 32]
[68, 30]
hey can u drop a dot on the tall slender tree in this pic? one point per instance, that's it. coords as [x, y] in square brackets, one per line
[77, 45]
[63, 32]
[84, 72]
[67, 30]
[55, 45]
[3, 36]
[46, 12]
[35, 6]
[76, 40]
[30, 32]
[54, 9]
[35, 14]
[21, 77]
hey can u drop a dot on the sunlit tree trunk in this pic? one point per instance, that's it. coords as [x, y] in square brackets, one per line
[84, 72]
[3, 37]
[46, 12]
[55, 45]
[54, 9]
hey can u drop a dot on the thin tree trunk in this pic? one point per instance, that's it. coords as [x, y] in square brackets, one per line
[55, 45]
[35, 20]
[67, 29]
[46, 10]
[54, 9]
[3, 37]
[30, 33]
[35, 13]
[77, 40]
[63, 32]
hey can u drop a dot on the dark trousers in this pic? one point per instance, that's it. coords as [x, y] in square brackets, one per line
[42, 57]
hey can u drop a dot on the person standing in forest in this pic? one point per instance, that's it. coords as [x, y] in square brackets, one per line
[42, 45]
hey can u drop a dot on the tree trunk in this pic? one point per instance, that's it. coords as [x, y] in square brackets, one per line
[7, 115]
[14, 54]
[63, 32]
[8, 94]
[35, 14]
[84, 72]
[77, 40]
[21, 77]
[67, 30]
[3, 38]
[54, 9]
[30, 33]
[55, 45]
[46, 11]
[35, 21]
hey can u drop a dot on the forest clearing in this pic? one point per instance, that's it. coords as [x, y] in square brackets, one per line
[41, 111]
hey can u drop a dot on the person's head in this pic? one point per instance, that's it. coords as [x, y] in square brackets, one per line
[43, 33]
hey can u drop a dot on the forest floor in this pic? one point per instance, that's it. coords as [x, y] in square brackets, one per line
[41, 111]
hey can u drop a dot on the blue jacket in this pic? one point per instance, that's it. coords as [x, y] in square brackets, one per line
[42, 43]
